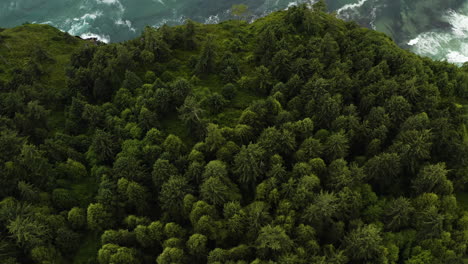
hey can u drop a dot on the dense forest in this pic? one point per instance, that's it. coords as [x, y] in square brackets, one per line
[296, 139]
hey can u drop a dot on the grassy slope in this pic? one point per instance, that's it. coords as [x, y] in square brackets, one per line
[16, 49]
[224, 32]
[17, 44]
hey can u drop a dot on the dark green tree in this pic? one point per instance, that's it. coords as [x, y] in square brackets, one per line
[273, 240]
[249, 164]
[207, 61]
[364, 244]
[98, 217]
[336, 146]
[320, 6]
[173, 192]
[103, 147]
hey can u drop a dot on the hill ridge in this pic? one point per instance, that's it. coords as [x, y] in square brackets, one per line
[298, 138]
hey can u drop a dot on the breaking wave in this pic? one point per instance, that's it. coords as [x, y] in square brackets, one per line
[102, 38]
[79, 25]
[214, 19]
[451, 45]
[348, 11]
[119, 20]
[354, 11]
[126, 23]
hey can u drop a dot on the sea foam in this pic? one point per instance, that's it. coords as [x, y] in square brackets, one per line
[343, 11]
[126, 23]
[81, 24]
[459, 23]
[102, 38]
[451, 46]
[214, 19]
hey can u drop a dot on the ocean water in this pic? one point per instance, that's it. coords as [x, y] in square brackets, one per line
[449, 43]
[118, 20]
[433, 28]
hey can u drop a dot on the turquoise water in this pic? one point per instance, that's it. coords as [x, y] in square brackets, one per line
[117, 20]
[434, 28]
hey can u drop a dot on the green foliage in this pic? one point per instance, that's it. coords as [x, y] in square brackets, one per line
[67, 240]
[28, 232]
[301, 139]
[27, 191]
[206, 62]
[248, 164]
[218, 190]
[273, 240]
[171, 255]
[320, 6]
[173, 192]
[229, 91]
[44, 255]
[163, 170]
[196, 245]
[191, 112]
[111, 253]
[63, 199]
[433, 178]
[365, 243]
[98, 217]
[77, 218]
[103, 148]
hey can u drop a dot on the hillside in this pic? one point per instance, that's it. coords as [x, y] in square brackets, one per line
[37, 49]
[298, 138]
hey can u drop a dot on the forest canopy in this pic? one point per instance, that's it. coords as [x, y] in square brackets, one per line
[298, 138]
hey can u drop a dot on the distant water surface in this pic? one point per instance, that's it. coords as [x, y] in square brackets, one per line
[433, 28]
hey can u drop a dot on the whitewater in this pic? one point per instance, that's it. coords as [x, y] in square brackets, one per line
[440, 33]
[451, 45]
[120, 20]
